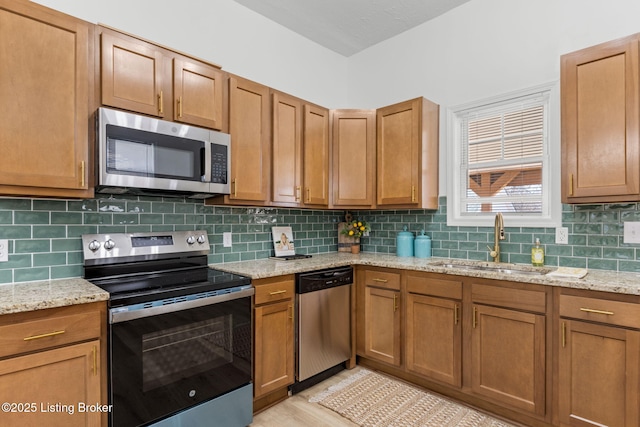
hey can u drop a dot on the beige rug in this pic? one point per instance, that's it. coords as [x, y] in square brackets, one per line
[371, 399]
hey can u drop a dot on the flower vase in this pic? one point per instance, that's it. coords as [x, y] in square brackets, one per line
[355, 249]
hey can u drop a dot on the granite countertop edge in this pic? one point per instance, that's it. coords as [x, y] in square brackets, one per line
[29, 296]
[597, 280]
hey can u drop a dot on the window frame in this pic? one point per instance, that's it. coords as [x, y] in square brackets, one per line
[551, 215]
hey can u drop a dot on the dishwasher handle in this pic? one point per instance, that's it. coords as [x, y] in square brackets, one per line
[324, 279]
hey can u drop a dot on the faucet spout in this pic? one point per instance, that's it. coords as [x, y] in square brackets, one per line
[498, 234]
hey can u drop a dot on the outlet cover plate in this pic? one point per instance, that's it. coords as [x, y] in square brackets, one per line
[562, 235]
[226, 239]
[4, 250]
[631, 232]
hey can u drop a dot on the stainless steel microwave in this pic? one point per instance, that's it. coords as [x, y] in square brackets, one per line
[143, 155]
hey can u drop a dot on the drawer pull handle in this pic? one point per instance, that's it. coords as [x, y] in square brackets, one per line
[278, 292]
[380, 280]
[50, 334]
[592, 310]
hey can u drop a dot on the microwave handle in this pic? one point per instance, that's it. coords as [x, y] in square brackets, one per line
[203, 165]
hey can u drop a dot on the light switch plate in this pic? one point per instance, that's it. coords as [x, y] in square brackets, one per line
[4, 250]
[226, 239]
[631, 232]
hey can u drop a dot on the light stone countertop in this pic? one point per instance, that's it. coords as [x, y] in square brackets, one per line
[29, 296]
[597, 280]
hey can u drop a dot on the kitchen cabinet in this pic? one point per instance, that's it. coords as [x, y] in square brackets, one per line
[600, 105]
[45, 102]
[250, 129]
[378, 315]
[140, 76]
[354, 159]
[508, 346]
[300, 153]
[274, 331]
[407, 155]
[599, 361]
[50, 348]
[433, 332]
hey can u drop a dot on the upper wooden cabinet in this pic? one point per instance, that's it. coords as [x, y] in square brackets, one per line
[353, 169]
[139, 76]
[300, 173]
[407, 155]
[600, 123]
[45, 102]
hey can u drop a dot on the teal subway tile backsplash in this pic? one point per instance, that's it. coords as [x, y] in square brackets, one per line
[44, 235]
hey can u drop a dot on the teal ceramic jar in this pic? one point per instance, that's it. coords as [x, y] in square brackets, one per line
[404, 242]
[422, 246]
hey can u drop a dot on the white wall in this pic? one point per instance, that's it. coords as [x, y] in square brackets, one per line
[230, 35]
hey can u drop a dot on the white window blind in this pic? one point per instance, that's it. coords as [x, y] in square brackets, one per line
[502, 147]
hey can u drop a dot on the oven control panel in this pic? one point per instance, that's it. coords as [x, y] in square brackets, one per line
[120, 247]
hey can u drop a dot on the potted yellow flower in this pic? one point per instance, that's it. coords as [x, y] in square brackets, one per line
[356, 228]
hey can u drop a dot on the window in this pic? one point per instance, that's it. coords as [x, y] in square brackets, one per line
[507, 149]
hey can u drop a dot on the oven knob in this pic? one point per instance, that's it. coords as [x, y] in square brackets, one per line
[109, 244]
[191, 240]
[202, 238]
[94, 245]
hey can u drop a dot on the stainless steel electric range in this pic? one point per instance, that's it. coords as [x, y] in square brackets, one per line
[179, 332]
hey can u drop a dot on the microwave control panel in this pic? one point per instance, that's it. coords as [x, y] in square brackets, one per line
[219, 160]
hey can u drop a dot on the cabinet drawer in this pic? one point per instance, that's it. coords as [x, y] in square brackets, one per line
[382, 279]
[519, 299]
[49, 332]
[599, 310]
[272, 290]
[427, 285]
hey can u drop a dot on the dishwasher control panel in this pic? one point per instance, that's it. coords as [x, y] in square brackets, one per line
[323, 279]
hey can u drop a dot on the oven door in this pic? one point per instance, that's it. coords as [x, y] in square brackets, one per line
[167, 358]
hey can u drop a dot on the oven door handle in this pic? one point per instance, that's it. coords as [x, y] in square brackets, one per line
[123, 314]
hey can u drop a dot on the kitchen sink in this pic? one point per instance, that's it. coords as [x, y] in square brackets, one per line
[504, 269]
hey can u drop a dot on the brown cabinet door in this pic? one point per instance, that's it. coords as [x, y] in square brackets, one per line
[44, 107]
[398, 136]
[63, 376]
[197, 91]
[250, 140]
[287, 149]
[434, 320]
[132, 75]
[274, 352]
[599, 381]
[508, 357]
[382, 325]
[600, 115]
[354, 158]
[316, 156]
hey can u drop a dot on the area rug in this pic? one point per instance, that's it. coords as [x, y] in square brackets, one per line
[370, 399]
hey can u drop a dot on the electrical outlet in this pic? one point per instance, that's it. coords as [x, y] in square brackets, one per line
[226, 239]
[4, 250]
[562, 235]
[631, 232]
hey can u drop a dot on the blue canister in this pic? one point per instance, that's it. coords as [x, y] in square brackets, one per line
[422, 246]
[404, 242]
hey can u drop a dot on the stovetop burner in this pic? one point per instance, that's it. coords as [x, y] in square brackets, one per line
[141, 267]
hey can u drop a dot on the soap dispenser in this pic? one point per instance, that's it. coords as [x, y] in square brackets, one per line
[404, 242]
[422, 246]
[537, 254]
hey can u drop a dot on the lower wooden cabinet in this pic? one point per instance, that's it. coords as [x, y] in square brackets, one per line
[53, 366]
[274, 334]
[378, 315]
[433, 332]
[599, 363]
[53, 387]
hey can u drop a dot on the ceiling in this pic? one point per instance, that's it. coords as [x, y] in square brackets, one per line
[349, 26]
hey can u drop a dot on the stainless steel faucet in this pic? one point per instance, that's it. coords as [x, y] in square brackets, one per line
[498, 234]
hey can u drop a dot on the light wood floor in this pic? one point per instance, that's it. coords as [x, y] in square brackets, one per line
[296, 411]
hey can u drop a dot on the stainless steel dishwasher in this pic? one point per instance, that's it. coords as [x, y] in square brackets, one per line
[323, 331]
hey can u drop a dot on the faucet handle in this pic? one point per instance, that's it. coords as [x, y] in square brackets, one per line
[492, 252]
